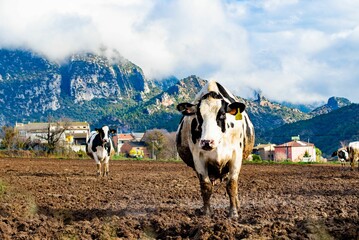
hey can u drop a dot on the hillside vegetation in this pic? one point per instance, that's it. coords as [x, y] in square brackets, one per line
[326, 131]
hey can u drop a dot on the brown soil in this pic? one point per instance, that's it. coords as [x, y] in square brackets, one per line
[63, 199]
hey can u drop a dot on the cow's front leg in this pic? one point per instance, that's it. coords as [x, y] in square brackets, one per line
[107, 165]
[232, 188]
[206, 192]
[205, 183]
[98, 164]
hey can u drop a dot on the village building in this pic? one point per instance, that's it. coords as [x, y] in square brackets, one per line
[265, 151]
[295, 151]
[74, 136]
[120, 139]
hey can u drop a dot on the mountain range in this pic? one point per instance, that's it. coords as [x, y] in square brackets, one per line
[114, 91]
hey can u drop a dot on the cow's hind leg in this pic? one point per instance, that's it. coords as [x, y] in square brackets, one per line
[232, 190]
[206, 191]
[352, 163]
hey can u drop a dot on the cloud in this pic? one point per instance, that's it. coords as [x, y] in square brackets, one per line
[291, 50]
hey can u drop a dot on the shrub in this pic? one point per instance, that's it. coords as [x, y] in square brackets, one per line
[256, 158]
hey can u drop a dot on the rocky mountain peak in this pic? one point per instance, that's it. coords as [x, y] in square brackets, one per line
[332, 104]
[337, 102]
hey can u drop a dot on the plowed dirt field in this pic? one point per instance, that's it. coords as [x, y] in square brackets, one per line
[63, 199]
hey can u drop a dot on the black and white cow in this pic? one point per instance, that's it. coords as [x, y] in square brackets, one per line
[100, 148]
[349, 153]
[343, 155]
[213, 137]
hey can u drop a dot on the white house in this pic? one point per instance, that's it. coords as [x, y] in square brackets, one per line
[75, 134]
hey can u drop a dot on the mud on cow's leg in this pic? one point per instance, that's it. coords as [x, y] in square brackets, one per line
[106, 166]
[232, 190]
[206, 191]
[98, 173]
[98, 164]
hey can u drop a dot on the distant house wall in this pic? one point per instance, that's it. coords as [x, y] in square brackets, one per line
[75, 136]
[265, 151]
[294, 153]
[282, 153]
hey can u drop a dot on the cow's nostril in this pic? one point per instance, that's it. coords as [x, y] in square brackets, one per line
[207, 144]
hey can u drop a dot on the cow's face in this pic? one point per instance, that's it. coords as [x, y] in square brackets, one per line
[104, 133]
[212, 115]
[343, 154]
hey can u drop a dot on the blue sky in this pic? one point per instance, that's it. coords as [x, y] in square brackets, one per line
[290, 50]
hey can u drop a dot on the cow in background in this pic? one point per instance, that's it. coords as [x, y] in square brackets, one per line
[353, 148]
[100, 148]
[343, 155]
[349, 153]
[213, 137]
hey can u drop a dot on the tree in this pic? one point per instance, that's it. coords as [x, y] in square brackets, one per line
[9, 135]
[318, 154]
[54, 134]
[161, 143]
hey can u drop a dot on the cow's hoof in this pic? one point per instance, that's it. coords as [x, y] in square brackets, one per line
[98, 174]
[206, 212]
[233, 214]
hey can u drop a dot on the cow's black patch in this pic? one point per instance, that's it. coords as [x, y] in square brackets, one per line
[248, 130]
[213, 95]
[341, 154]
[97, 141]
[221, 116]
[216, 171]
[224, 93]
[196, 131]
[107, 146]
[232, 125]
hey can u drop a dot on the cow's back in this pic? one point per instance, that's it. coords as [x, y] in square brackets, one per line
[354, 150]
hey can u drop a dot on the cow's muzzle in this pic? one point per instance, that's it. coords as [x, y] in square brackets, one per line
[207, 145]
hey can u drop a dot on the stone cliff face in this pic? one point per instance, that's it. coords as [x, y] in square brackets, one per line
[87, 77]
[333, 104]
[31, 84]
[28, 83]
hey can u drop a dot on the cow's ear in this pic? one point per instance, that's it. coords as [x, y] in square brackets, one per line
[334, 153]
[233, 108]
[187, 108]
[112, 131]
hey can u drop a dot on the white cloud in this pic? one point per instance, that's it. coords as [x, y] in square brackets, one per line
[299, 51]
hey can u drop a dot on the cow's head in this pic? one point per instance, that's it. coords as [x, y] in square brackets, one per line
[342, 153]
[104, 133]
[213, 116]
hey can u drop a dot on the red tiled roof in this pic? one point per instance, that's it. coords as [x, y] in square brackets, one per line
[295, 144]
[124, 136]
